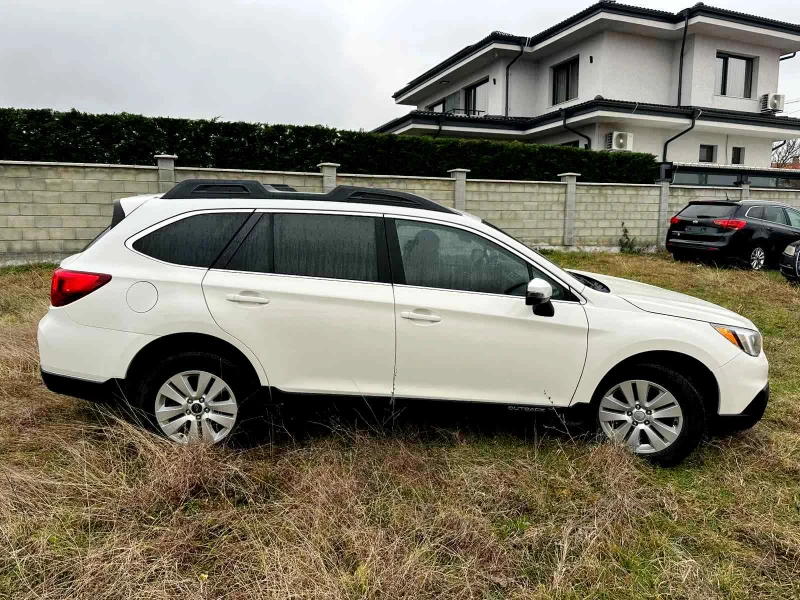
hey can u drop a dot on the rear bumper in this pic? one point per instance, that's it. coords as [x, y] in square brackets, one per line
[716, 248]
[95, 391]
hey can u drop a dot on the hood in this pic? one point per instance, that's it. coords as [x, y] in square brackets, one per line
[665, 302]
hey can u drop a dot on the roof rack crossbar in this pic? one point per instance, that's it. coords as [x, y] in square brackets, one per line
[244, 188]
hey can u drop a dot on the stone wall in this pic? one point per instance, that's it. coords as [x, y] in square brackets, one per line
[50, 210]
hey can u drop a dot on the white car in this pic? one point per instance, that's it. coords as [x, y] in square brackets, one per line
[193, 301]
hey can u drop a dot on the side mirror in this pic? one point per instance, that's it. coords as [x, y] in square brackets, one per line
[538, 293]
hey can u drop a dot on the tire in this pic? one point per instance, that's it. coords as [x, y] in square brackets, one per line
[757, 259]
[196, 396]
[665, 441]
[681, 256]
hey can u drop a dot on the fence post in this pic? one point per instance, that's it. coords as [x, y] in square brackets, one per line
[328, 170]
[663, 213]
[460, 200]
[745, 190]
[571, 179]
[166, 171]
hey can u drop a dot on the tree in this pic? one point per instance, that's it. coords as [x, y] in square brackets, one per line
[783, 153]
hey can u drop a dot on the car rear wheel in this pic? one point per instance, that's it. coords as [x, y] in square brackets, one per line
[758, 258]
[652, 410]
[195, 397]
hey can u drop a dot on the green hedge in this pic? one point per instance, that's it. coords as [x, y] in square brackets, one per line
[46, 135]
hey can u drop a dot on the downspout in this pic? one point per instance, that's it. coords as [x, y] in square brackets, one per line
[508, 69]
[680, 61]
[575, 131]
[788, 56]
[695, 116]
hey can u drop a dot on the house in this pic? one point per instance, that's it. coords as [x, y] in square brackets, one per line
[618, 77]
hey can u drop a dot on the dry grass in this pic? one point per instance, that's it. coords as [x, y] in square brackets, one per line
[94, 507]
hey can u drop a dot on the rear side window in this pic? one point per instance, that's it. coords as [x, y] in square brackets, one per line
[794, 217]
[329, 246]
[708, 211]
[195, 241]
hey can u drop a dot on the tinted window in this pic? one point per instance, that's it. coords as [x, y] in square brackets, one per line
[256, 252]
[195, 241]
[794, 217]
[702, 211]
[775, 214]
[444, 257]
[756, 212]
[334, 246]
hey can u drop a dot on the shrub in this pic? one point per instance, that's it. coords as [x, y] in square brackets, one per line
[47, 135]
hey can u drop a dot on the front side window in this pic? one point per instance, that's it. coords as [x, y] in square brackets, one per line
[476, 100]
[708, 154]
[775, 214]
[565, 81]
[438, 256]
[733, 76]
[195, 241]
[311, 245]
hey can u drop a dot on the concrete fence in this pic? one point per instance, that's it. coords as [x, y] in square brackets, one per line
[50, 210]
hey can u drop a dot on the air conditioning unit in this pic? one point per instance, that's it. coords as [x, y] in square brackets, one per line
[772, 103]
[619, 140]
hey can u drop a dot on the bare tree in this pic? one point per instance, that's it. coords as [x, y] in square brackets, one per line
[783, 153]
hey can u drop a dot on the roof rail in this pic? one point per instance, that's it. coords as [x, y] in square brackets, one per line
[244, 188]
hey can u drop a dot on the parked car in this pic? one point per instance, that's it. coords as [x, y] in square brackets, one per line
[789, 266]
[748, 231]
[197, 302]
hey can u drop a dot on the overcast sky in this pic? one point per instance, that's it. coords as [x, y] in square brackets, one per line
[301, 62]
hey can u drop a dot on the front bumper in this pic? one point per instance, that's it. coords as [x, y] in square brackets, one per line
[740, 381]
[789, 265]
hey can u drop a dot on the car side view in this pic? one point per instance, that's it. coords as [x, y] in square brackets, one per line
[196, 301]
[751, 232]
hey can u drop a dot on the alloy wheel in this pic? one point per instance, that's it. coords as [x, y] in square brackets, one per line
[642, 415]
[196, 406]
[757, 258]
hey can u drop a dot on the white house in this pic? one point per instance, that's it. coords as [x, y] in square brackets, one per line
[618, 77]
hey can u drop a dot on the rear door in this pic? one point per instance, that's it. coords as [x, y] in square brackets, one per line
[695, 223]
[310, 294]
[779, 232]
[794, 224]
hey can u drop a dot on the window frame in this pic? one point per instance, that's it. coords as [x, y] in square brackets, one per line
[132, 239]
[714, 151]
[384, 273]
[749, 71]
[741, 155]
[576, 60]
[470, 96]
[398, 273]
[432, 107]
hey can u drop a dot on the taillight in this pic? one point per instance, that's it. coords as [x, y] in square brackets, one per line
[730, 223]
[68, 286]
[674, 220]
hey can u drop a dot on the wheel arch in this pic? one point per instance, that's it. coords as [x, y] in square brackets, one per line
[178, 342]
[701, 377]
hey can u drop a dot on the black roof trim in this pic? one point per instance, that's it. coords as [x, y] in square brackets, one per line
[520, 124]
[245, 188]
[611, 7]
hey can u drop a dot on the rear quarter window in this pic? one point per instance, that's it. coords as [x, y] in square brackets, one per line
[195, 241]
[713, 211]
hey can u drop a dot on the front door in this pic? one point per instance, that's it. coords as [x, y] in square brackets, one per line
[306, 293]
[464, 331]
[779, 233]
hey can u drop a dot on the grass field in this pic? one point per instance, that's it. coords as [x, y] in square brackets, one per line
[93, 507]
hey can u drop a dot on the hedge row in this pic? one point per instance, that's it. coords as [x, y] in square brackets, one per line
[46, 135]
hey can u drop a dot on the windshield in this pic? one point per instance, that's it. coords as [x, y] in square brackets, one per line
[708, 211]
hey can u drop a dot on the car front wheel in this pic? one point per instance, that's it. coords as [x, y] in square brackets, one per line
[654, 411]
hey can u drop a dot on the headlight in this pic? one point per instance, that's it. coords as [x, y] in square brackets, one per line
[790, 250]
[746, 339]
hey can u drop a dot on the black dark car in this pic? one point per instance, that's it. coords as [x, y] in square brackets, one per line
[789, 265]
[749, 231]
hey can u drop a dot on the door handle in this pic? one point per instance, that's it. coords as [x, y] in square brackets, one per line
[415, 316]
[246, 298]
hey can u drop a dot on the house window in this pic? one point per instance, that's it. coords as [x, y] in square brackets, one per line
[734, 76]
[572, 144]
[565, 81]
[476, 98]
[446, 104]
[708, 154]
[737, 156]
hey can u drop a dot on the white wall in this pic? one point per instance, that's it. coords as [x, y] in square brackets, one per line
[701, 85]
[637, 68]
